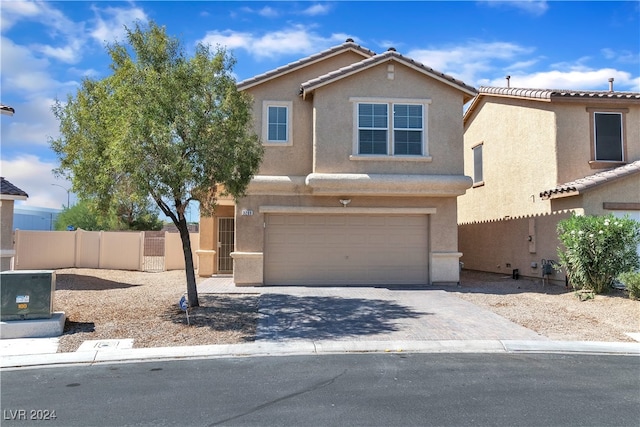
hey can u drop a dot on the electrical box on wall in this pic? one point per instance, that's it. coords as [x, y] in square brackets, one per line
[27, 294]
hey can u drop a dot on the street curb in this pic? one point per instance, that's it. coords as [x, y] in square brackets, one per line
[303, 347]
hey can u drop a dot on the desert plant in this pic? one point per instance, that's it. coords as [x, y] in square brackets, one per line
[631, 282]
[597, 249]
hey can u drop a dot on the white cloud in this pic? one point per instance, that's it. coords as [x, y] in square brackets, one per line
[268, 12]
[579, 79]
[35, 177]
[294, 40]
[27, 75]
[60, 28]
[622, 56]
[32, 124]
[317, 9]
[467, 62]
[532, 7]
[110, 23]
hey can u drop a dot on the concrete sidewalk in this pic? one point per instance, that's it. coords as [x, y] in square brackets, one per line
[324, 320]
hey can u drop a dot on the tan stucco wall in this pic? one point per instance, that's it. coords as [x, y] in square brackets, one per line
[6, 234]
[297, 158]
[518, 160]
[334, 117]
[529, 147]
[503, 245]
[574, 138]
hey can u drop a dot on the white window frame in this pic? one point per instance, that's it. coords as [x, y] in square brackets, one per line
[425, 156]
[265, 122]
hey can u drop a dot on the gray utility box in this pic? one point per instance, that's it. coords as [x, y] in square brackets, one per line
[27, 294]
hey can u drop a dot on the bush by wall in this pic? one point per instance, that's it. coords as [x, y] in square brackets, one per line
[597, 249]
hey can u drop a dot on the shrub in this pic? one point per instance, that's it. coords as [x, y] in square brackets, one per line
[597, 249]
[631, 281]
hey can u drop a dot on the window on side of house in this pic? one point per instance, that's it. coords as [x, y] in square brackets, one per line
[478, 178]
[608, 137]
[276, 122]
[391, 128]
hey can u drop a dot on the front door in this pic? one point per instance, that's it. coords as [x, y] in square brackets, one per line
[225, 244]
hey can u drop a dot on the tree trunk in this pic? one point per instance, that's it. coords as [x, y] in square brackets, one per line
[192, 291]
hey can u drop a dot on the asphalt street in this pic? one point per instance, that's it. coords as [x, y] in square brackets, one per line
[382, 389]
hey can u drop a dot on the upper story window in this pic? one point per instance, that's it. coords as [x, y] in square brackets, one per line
[390, 128]
[608, 141]
[478, 178]
[276, 122]
[608, 136]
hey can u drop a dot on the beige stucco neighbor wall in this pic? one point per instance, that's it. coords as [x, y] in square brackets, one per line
[503, 245]
[37, 250]
[518, 148]
[6, 234]
[174, 254]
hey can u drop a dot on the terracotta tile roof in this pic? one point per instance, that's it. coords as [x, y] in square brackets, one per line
[346, 46]
[549, 95]
[311, 85]
[5, 109]
[556, 93]
[588, 182]
[8, 189]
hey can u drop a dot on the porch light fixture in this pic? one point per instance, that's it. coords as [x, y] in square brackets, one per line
[345, 202]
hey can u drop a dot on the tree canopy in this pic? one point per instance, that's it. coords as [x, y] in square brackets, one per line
[164, 125]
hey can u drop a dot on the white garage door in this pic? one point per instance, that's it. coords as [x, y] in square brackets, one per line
[315, 249]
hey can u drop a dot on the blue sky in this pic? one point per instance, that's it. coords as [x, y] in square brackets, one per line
[47, 48]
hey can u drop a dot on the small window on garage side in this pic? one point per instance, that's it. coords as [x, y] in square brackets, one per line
[276, 122]
[478, 178]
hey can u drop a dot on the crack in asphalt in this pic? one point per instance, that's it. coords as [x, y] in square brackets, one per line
[283, 398]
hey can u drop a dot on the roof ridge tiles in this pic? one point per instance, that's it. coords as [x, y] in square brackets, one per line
[549, 93]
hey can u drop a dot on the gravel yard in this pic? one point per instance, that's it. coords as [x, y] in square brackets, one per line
[113, 304]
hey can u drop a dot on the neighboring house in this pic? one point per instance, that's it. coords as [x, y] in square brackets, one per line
[362, 168]
[536, 156]
[8, 194]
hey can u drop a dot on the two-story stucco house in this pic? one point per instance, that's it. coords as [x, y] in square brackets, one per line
[536, 156]
[362, 168]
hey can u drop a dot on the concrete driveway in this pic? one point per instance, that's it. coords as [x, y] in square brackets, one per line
[370, 314]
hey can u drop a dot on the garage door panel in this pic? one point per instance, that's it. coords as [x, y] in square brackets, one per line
[345, 249]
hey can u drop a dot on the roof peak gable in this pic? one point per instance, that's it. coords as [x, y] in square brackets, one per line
[348, 45]
[391, 54]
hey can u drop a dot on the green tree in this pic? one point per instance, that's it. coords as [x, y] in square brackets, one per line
[173, 127]
[597, 249]
[80, 215]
